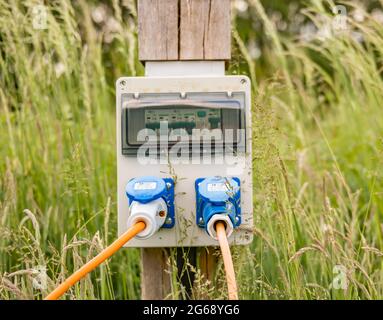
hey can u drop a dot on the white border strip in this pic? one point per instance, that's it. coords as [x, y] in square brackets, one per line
[184, 68]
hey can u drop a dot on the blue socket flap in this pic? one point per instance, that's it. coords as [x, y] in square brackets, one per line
[145, 189]
[218, 190]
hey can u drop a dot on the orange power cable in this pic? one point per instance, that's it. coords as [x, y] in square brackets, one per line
[97, 260]
[227, 261]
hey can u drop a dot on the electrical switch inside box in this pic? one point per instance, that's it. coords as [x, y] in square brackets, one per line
[181, 118]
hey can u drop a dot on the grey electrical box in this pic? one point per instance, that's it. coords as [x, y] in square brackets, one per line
[165, 113]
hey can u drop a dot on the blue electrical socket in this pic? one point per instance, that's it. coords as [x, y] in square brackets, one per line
[146, 189]
[216, 195]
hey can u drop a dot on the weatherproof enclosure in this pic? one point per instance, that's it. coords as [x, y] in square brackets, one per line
[184, 128]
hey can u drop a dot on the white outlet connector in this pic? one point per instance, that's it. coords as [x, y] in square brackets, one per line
[210, 228]
[152, 213]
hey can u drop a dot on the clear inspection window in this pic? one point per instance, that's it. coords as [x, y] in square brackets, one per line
[166, 115]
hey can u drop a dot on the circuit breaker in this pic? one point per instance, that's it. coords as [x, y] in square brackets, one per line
[184, 152]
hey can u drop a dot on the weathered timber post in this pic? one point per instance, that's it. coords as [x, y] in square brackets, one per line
[181, 30]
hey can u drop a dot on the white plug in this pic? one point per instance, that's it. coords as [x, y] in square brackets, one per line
[152, 213]
[210, 227]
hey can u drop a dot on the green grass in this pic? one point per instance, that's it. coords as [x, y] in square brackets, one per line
[318, 128]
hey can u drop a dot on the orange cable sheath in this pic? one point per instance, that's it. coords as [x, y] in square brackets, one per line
[96, 261]
[227, 261]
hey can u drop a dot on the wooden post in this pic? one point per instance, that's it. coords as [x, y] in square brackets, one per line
[170, 30]
[158, 30]
[184, 30]
[155, 275]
